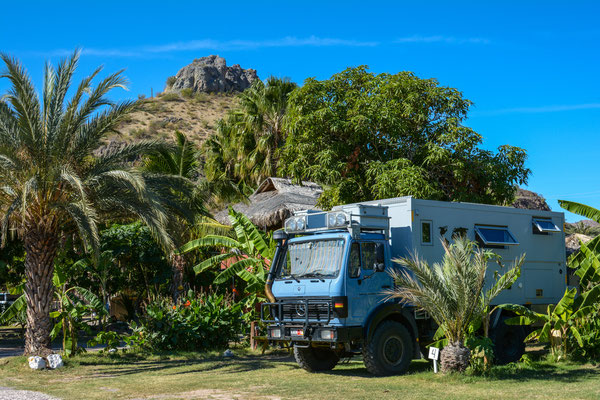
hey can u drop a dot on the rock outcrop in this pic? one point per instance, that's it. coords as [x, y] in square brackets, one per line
[529, 200]
[211, 75]
[572, 242]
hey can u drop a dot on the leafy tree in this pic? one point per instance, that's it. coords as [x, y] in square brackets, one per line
[450, 292]
[54, 178]
[245, 148]
[141, 270]
[370, 136]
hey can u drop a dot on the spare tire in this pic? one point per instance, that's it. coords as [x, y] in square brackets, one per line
[509, 345]
[316, 359]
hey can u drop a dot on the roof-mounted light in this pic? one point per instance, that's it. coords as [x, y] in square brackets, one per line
[337, 220]
[295, 224]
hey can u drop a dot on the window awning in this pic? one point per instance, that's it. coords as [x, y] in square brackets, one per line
[545, 225]
[495, 236]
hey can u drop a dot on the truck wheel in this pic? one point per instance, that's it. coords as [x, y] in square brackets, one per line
[508, 343]
[389, 351]
[315, 359]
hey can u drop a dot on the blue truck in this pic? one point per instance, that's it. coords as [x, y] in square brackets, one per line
[327, 282]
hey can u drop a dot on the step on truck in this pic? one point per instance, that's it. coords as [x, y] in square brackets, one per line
[327, 282]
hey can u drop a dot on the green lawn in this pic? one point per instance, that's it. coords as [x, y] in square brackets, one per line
[275, 375]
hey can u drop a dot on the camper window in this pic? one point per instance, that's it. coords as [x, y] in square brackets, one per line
[493, 236]
[544, 226]
[426, 233]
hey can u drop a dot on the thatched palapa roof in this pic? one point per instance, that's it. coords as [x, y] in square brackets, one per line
[274, 201]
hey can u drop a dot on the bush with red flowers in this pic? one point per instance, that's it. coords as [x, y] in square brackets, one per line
[201, 322]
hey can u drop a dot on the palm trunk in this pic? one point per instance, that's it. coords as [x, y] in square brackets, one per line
[40, 247]
[177, 266]
[455, 357]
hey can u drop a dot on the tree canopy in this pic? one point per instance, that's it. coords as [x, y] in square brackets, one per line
[367, 136]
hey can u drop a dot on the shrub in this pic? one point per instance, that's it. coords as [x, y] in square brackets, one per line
[171, 97]
[188, 93]
[111, 340]
[138, 133]
[203, 322]
[201, 98]
[171, 80]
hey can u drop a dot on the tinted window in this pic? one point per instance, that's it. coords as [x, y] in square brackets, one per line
[544, 225]
[426, 232]
[495, 236]
[369, 255]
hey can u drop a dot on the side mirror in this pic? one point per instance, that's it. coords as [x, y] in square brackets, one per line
[379, 267]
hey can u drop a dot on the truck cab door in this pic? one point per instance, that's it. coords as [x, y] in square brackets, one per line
[374, 279]
[364, 284]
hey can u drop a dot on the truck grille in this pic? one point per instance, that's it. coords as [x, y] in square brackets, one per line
[305, 310]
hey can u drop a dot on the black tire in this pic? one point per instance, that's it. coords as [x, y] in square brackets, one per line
[389, 351]
[316, 359]
[508, 343]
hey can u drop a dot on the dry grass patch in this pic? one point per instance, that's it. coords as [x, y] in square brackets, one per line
[275, 375]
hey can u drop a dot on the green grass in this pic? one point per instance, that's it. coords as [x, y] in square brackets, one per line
[275, 375]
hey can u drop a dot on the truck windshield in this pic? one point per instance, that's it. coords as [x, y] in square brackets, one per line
[320, 258]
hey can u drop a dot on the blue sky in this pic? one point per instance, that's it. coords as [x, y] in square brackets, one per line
[531, 68]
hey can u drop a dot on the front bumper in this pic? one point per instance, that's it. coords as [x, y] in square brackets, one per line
[313, 333]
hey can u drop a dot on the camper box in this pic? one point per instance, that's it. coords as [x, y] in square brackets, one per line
[418, 227]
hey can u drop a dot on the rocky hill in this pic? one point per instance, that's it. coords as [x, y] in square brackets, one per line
[195, 115]
[211, 75]
[530, 200]
[194, 100]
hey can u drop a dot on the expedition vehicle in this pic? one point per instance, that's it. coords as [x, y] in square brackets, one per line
[330, 271]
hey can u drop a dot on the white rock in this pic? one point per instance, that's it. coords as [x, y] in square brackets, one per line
[55, 361]
[228, 353]
[112, 350]
[36, 362]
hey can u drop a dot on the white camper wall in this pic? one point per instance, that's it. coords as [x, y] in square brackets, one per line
[542, 279]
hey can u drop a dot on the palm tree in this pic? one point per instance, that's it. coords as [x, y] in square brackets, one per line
[246, 145]
[449, 291]
[263, 108]
[182, 161]
[54, 180]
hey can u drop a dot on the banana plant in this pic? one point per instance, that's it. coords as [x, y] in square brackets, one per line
[581, 259]
[560, 320]
[247, 255]
[74, 304]
[587, 267]
[100, 269]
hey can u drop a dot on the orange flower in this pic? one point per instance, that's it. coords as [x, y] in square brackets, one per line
[187, 303]
[174, 307]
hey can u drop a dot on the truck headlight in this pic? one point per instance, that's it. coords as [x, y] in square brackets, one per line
[276, 333]
[327, 334]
